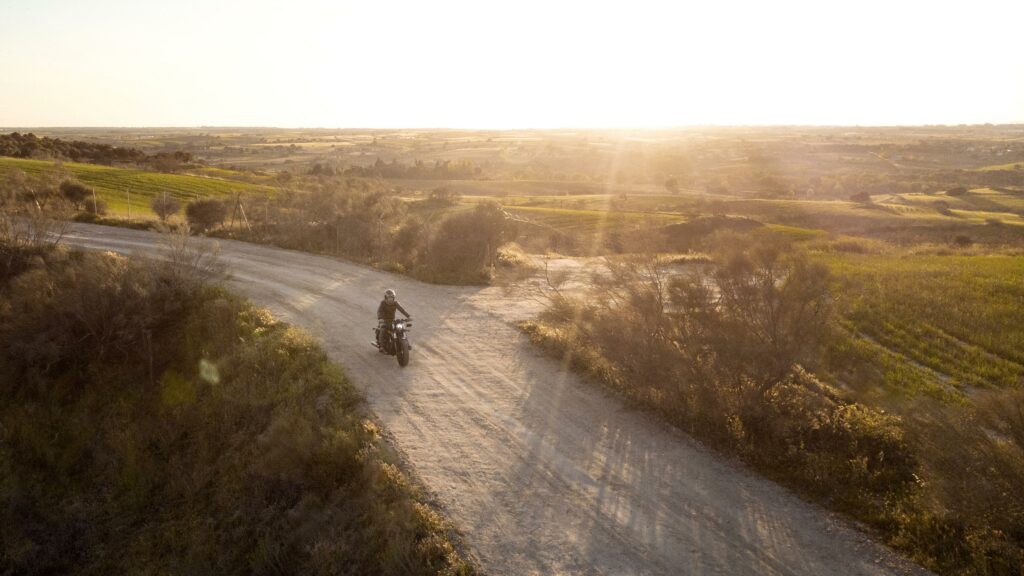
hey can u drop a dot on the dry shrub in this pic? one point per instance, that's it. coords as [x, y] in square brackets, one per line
[77, 309]
[463, 247]
[190, 261]
[205, 214]
[26, 236]
[348, 217]
[973, 470]
[165, 206]
[154, 424]
[512, 255]
[96, 206]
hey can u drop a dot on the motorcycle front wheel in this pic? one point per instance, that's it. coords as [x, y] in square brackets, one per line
[403, 352]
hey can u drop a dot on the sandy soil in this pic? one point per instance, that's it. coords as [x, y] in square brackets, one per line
[543, 473]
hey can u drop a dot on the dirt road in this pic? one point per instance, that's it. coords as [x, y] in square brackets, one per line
[543, 473]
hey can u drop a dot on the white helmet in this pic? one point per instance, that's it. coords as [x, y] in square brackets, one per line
[389, 293]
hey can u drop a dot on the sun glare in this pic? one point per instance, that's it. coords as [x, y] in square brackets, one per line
[509, 65]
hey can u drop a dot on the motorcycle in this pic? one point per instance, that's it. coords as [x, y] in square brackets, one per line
[393, 340]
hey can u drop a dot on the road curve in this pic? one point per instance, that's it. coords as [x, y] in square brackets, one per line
[543, 473]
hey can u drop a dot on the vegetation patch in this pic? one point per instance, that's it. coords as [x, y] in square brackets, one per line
[154, 424]
[927, 447]
[113, 185]
[959, 315]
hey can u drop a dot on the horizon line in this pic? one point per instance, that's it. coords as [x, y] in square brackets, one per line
[502, 129]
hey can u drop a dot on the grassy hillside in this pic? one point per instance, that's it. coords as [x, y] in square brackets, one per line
[152, 425]
[111, 184]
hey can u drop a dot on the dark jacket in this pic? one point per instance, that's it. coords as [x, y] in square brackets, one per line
[387, 311]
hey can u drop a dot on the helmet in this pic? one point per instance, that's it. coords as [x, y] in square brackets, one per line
[389, 293]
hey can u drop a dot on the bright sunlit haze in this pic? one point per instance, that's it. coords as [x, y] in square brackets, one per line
[308, 63]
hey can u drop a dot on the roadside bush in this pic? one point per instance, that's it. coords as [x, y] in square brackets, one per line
[95, 206]
[24, 238]
[346, 217]
[465, 244]
[206, 214]
[165, 206]
[13, 186]
[956, 191]
[75, 192]
[154, 425]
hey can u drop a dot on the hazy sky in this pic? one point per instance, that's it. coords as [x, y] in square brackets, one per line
[435, 63]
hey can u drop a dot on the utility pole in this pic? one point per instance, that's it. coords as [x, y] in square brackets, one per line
[234, 212]
[380, 236]
[128, 191]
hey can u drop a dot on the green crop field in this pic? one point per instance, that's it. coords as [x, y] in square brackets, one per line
[543, 188]
[579, 221]
[112, 184]
[941, 325]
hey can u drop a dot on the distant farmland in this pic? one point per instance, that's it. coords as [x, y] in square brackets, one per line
[111, 183]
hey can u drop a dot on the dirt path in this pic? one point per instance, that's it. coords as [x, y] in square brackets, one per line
[543, 473]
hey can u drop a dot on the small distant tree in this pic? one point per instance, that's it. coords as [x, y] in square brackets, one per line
[958, 191]
[672, 185]
[205, 214]
[165, 206]
[962, 241]
[75, 192]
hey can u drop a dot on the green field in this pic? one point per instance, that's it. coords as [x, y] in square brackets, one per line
[580, 221]
[941, 325]
[113, 184]
[503, 189]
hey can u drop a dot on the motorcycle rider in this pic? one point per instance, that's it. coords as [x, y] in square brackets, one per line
[386, 314]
